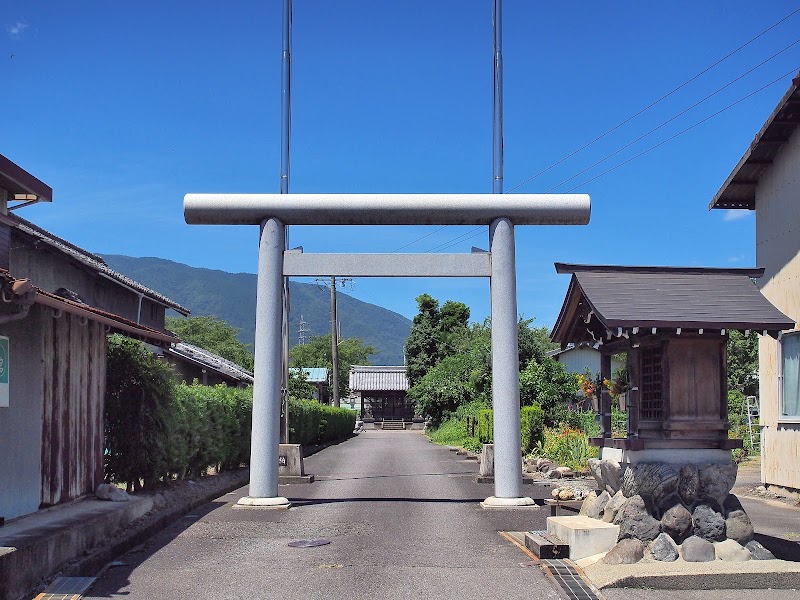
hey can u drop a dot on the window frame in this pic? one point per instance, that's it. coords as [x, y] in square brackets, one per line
[782, 417]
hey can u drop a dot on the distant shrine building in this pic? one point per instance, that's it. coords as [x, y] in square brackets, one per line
[382, 392]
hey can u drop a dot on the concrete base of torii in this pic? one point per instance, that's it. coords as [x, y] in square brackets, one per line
[494, 502]
[276, 503]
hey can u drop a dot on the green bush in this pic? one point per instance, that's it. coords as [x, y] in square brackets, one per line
[454, 433]
[486, 426]
[567, 447]
[311, 422]
[532, 426]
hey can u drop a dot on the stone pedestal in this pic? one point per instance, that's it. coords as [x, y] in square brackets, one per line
[584, 535]
[290, 465]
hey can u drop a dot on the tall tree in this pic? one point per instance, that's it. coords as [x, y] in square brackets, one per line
[214, 335]
[422, 345]
[317, 352]
[743, 362]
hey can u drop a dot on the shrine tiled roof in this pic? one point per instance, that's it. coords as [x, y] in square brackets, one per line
[604, 300]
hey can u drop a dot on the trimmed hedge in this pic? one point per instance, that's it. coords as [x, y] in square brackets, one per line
[158, 430]
[311, 422]
[531, 425]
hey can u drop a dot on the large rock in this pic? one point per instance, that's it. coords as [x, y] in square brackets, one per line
[635, 521]
[696, 549]
[709, 523]
[103, 491]
[561, 473]
[677, 523]
[663, 549]
[612, 475]
[731, 504]
[731, 551]
[119, 495]
[612, 507]
[655, 479]
[566, 493]
[597, 509]
[758, 552]
[594, 469]
[688, 484]
[716, 481]
[626, 552]
[588, 503]
[738, 527]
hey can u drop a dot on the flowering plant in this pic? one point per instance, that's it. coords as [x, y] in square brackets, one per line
[587, 384]
[619, 384]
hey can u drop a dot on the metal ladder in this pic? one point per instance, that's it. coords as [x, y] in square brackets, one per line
[751, 406]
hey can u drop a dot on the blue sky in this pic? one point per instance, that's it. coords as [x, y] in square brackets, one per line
[124, 107]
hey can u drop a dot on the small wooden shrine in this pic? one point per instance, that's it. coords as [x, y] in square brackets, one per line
[673, 324]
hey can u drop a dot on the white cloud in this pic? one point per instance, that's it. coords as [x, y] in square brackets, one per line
[736, 259]
[736, 214]
[16, 30]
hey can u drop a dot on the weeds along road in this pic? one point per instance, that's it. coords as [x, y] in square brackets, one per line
[402, 516]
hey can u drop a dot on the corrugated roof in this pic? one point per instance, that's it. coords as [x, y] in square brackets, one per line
[368, 378]
[739, 189]
[211, 361]
[91, 260]
[664, 297]
[313, 374]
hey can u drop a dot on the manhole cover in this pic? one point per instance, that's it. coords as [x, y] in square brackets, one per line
[308, 543]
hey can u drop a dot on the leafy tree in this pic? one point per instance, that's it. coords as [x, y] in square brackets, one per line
[214, 335]
[550, 385]
[534, 342]
[422, 345]
[743, 362]
[318, 353]
[299, 386]
[139, 409]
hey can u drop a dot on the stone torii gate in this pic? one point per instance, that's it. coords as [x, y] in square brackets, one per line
[273, 212]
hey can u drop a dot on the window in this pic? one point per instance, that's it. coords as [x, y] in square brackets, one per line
[650, 403]
[789, 376]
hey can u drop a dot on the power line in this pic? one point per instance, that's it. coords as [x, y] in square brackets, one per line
[449, 243]
[668, 121]
[680, 133]
[652, 104]
[419, 239]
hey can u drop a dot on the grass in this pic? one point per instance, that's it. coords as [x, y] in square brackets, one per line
[454, 433]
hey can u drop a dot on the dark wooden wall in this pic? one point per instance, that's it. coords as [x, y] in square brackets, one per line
[74, 352]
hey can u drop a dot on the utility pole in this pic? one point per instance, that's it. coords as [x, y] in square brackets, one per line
[334, 346]
[286, 121]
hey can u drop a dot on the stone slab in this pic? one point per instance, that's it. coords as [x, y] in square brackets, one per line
[584, 535]
[682, 575]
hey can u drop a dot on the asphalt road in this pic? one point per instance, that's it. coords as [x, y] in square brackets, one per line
[402, 516]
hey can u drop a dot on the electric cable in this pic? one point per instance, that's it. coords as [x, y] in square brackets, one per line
[652, 104]
[680, 133]
[670, 120]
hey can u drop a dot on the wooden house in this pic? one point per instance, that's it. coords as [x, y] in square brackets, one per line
[59, 304]
[766, 181]
[192, 363]
[672, 323]
[382, 391]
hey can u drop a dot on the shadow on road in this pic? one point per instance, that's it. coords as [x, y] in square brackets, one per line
[781, 548]
[456, 473]
[116, 575]
[297, 502]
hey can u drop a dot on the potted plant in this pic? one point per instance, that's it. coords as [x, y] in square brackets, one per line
[618, 386]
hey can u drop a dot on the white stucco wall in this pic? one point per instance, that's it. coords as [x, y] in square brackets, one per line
[577, 360]
[21, 422]
[778, 251]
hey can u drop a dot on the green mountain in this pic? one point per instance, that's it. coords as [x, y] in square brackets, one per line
[232, 297]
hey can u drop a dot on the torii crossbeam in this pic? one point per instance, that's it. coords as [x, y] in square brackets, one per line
[273, 212]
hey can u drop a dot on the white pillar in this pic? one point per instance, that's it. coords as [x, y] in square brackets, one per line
[505, 370]
[268, 368]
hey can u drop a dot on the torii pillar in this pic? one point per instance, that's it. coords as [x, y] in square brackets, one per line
[501, 212]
